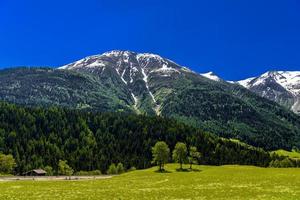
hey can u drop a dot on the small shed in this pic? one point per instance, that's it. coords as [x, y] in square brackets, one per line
[35, 172]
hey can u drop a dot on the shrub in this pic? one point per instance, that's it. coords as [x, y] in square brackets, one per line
[120, 168]
[7, 164]
[49, 170]
[112, 169]
[131, 169]
[64, 168]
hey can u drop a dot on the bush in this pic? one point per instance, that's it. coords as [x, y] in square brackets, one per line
[120, 168]
[131, 169]
[64, 168]
[112, 169]
[49, 170]
[7, 164]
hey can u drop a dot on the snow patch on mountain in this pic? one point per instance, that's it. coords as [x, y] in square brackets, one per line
[135, 101]
[211, 75]
[145, 78]
[122, 77]
[148, 57]
[245, 82]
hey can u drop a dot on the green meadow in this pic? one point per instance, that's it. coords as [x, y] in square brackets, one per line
[207, 182]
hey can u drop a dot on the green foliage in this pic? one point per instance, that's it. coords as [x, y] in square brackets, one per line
[194, 156]
[160, 154]
[120, 168]
[64, 168]
[7, 164]
[49, 170]
[180, 153]
[112, 169]
[290, 154]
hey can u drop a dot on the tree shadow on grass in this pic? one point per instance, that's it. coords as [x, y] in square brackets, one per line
[162, 171]
[188, 170]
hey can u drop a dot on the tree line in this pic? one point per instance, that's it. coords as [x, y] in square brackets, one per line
[39, 138]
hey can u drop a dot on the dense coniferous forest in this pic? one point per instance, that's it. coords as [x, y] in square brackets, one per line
[39, 137]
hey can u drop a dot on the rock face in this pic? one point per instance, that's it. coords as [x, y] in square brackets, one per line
[282, 87]
[124, 81]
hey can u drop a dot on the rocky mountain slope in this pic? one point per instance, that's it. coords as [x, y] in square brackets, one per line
[282, 87]
[149, 84]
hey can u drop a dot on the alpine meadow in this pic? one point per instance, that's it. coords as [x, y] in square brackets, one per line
[149, 100]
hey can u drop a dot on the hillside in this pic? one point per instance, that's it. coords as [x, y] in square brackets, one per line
[124, 81]
[290, 154]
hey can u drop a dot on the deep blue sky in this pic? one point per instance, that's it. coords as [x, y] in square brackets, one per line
[234, 38]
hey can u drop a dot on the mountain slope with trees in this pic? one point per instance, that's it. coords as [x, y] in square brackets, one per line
[124, 81]
[38, 137]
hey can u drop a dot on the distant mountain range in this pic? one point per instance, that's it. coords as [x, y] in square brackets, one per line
[282, 87]
[125, 81]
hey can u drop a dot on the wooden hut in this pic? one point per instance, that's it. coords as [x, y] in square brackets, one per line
[35, 172]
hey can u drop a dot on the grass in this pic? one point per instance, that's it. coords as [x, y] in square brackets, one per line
[208, 182]
[290, 154]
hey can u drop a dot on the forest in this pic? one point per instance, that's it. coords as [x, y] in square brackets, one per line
[39, 137]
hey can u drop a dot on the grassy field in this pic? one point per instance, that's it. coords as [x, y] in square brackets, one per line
[225, 182]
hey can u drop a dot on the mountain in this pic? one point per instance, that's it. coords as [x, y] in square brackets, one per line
[140, 74]
[282, 87]
[148, 84]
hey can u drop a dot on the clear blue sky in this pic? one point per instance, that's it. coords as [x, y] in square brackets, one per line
[234, 38]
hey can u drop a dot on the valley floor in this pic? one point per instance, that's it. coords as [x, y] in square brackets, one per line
[210, 182]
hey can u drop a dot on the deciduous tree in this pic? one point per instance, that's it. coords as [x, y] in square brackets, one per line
[160, 153]
[180, 153]
[194, 156]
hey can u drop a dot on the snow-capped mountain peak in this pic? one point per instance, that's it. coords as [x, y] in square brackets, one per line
[289, 80]
[131, 68]
[212, 76]
[282, 87]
